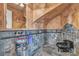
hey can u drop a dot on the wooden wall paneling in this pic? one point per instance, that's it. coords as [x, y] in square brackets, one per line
[53, 13]
[2, 22]
[75, 20]
[55, 23]
[75, 15]
[18, 14]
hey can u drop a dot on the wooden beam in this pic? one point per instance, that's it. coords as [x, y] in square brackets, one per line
[14, 6]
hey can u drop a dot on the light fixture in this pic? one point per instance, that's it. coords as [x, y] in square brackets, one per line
[21, 4]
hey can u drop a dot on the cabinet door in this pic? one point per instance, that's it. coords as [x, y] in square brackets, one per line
[9, 19]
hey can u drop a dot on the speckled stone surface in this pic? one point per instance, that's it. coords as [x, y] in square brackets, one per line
[45, 40]
[7, 46]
